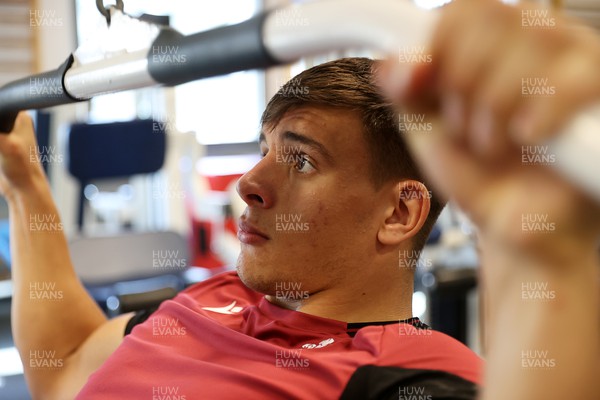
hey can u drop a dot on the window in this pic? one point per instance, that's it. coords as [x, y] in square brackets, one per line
[224, 109]
[17, 40]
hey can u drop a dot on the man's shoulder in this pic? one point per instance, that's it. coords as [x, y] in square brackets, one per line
[221, 296]
[407, 346]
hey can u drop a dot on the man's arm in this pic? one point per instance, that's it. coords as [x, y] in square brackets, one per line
[544, 327]
[541, 278]
[542, 284]
[88, 357]
[60, 332]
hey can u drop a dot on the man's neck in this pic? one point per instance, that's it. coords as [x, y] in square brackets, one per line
[360, 301]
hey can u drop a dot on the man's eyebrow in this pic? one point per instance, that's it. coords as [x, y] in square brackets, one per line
[296, 137]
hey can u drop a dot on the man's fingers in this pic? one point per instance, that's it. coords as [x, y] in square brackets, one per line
[11, 144]
[577, 85]
[23, 122]
[442, 159]
[500, 92]
[406, 83]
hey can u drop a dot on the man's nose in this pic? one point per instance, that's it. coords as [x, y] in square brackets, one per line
[256, 187]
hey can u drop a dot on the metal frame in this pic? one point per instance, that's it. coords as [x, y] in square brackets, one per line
[275, 37]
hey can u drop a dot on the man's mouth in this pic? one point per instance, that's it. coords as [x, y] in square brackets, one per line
[249, 234]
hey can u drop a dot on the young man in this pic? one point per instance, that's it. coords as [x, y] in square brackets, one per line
[493, 194]
[336, 213]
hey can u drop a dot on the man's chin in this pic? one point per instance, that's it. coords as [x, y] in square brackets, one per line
[253, 278]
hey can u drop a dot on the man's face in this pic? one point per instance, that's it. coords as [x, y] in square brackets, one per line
[313, 213]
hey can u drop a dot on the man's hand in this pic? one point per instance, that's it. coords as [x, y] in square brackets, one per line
[519, 70]
[502, 80]
[19, 166]
[527, 208]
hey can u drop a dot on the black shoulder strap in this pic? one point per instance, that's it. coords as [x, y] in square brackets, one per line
[138, 318]
[371, 382]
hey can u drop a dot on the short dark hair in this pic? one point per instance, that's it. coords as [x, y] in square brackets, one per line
[348, 83]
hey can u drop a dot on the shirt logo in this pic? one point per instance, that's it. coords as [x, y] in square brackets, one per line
[322, 343]
[228, 310]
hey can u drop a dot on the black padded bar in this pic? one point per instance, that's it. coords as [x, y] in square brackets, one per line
[36, 91]
[174, 59]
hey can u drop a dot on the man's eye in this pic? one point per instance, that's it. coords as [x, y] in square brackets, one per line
[304, 165]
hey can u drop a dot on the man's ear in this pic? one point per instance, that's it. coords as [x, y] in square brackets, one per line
[406, 215]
